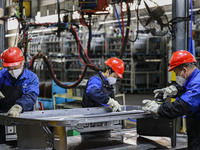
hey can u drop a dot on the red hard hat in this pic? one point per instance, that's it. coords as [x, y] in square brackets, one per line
[117, 65]
[181, 57]
[13, 56]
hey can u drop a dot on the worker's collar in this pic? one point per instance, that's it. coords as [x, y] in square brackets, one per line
[103, 76]
[22, 76]
[192, 75]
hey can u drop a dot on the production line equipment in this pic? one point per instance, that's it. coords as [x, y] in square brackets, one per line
[47, 129]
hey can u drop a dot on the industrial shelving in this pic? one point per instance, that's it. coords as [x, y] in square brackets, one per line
[196, 38]
[149, 59]
[196, 46]
[143, 59]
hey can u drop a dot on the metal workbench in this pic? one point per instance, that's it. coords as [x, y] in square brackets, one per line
[47, 129]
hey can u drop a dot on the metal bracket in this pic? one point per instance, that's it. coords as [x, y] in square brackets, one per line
[48, 138]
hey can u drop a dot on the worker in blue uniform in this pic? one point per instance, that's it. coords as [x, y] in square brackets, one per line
[183, 64]
[19, 87]
[99, 89]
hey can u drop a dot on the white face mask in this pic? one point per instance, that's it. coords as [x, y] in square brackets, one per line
[15, 73]
[180, 80]
[112, 80]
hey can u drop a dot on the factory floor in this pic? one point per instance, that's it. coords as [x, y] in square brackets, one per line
[126, 139]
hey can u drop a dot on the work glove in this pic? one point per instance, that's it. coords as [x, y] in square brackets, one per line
[15, 110]
[1, 95]
[114, 105]
[150, 105]
[168, 91]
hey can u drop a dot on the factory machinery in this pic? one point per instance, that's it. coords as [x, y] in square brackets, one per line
[47, 129]
[75, 49]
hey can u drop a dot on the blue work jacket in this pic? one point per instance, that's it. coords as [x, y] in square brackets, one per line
[192, 94]
[189, 104]
[98, 91]
[23, 91]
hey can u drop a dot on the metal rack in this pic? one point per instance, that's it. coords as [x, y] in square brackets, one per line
[149, 59]
[144, 59]
[42, 129]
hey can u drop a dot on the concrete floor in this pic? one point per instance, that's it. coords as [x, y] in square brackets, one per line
[127, 139]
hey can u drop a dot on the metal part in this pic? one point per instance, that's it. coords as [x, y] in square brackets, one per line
[71, 117]
[48, 128]
[158, 127]
[180, 8]
[2, 29]
[159, 98]
[48, 137]
[92, 6]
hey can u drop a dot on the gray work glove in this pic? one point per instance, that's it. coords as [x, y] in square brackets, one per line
[150, 105]
[15, 110]
[1, 95]
[168, 91]
[114, 104]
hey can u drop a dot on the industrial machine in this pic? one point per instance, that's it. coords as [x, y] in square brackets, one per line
[47, 129]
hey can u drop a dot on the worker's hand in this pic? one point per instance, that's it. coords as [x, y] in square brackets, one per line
[1, 95]
[114, 104]
[168, 91]
[150, 105]
[15, 110]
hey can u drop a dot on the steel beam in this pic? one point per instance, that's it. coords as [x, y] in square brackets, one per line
[2, 30]
[180, 8]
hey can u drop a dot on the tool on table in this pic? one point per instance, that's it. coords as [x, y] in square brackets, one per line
[159, 98]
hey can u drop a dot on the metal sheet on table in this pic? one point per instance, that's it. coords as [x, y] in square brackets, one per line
[72, 117]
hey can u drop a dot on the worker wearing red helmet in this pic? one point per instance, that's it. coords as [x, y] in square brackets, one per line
[99, 90]
[19, 87]
[187, 103]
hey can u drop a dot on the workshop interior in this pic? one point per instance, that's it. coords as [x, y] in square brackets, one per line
[67, 42]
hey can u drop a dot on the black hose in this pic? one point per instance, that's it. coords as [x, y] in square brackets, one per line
[21, 9]
[58, 10]
[57, 81]
[137, 32]
[38, 55]
[59, 21]
[127, 33]
[89, 39]
[72, 30]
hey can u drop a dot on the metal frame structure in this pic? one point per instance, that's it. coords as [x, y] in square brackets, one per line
[47, 129]
[2, 30]
[180, 8]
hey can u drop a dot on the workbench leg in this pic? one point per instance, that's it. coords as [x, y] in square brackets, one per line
[2, 135]
[59, 138]
[173, 137]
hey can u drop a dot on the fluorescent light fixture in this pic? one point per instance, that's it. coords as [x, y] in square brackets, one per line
[10, 35]
[150, 3]
[45, 30]
[133, 18]
[34, 31]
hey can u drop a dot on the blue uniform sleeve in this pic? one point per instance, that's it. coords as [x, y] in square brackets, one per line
[30, 94]
[94, 91]
[93, 82]
[1, 76]
[192, 97]
[174, 109]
